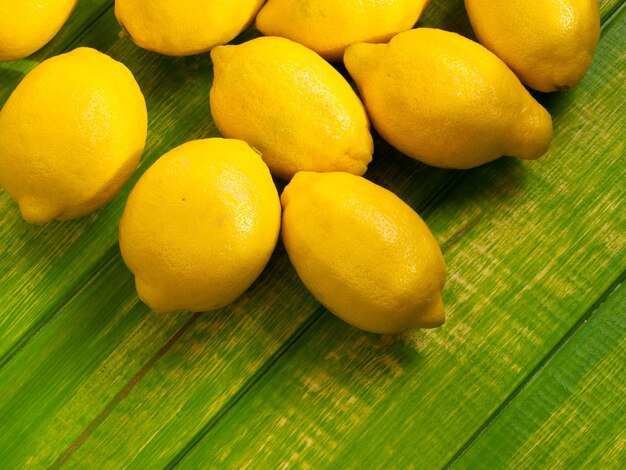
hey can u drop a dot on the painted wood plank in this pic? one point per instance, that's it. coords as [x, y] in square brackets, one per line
[530, 247]
[42, 267]
[63, 408]
[81, 366]
[571, 415]
[87, 354]
[86, 12]
[36, 438]
[194, 380]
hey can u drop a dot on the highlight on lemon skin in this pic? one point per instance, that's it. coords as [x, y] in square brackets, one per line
[329, 26]
[200, 225]
[549, 44]
[291, 105]
[471, 111]
[183, 28]
[28, 25]
[363, 253]
[71, 135]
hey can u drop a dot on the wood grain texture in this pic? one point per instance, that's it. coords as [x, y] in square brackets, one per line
[154, 433]
[83, 357]
[86, 12]
[42, 267]
[152, 424]
[142, 399]
[530, 247]
[572, 414]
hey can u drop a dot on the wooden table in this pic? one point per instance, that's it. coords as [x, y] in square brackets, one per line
[528, 371]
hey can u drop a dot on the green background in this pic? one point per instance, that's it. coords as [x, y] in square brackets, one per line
[527, 372]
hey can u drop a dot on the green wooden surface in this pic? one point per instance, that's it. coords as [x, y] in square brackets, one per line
[32, 259]
[85, 14]
[530, 248]
[580, 392]
[80, 362]
[44, 266]
[90, 377]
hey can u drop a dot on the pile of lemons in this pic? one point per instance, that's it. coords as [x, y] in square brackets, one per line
[201, 224]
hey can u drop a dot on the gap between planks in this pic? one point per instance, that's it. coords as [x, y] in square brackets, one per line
[102, 263]
[543, 363]
[228, 405]
[569, 335]
[30, 334]
[609, 15]
[88, 26]
[428, 206]
[246, 387]
[123, 392]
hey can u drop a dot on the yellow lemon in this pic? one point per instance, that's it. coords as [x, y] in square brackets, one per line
[549, 44]
[182, 28]
[363, 253]
[28, 25]
[291, 105]
[329, 26]
[71, 134]
[447, 101]
[200, 225]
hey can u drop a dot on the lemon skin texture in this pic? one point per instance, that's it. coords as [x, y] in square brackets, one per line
[200, 225]
[549, 44]
[329, 26]
[446, 100]
[291, 105]
[183, 28]
[363, 253]
[28, 25]
[71, 134]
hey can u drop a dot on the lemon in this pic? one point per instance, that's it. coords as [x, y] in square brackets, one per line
[182, 28]
[291, 105]
[200, 225]
[28, 25]
[362, 252]
[329, 26]
[71, 134]
[446, 100]
[549, 44]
